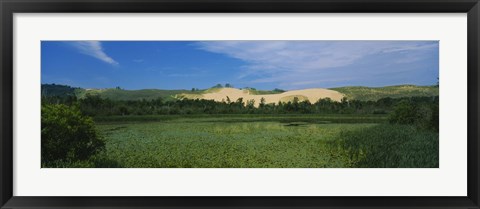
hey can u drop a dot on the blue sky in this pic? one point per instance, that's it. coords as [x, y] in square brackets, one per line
[259, 64]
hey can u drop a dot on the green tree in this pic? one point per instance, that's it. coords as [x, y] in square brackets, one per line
[262, 102]
[250, 104]
[67, 135]
[228, 100]
[295, 103]
[406, 112]
[239, 103]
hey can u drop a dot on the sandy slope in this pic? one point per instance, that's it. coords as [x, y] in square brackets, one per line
[313, 95]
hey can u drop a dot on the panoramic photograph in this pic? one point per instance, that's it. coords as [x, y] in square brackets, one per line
[240, 104]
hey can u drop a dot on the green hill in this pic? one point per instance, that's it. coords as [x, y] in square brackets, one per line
[55, 90]
[110, 93]
[375, 93]
[121, 94]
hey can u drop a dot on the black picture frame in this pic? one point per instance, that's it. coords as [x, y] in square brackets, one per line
[9, 7]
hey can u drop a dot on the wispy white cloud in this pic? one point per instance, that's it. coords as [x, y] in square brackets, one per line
[94, 49]
[304, 62]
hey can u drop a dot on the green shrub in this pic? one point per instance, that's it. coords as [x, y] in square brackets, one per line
[67, 135]
[404, 113]
[424, 116]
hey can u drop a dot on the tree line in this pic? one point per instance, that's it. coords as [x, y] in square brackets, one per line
[95, 105]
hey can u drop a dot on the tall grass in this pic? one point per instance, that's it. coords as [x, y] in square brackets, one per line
[390, 146]
[100, 160]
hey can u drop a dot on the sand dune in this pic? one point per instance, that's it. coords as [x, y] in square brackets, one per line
[312, 95]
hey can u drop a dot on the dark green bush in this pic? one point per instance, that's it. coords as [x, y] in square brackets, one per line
[67, 135]
[422, 115]
[406, 112]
